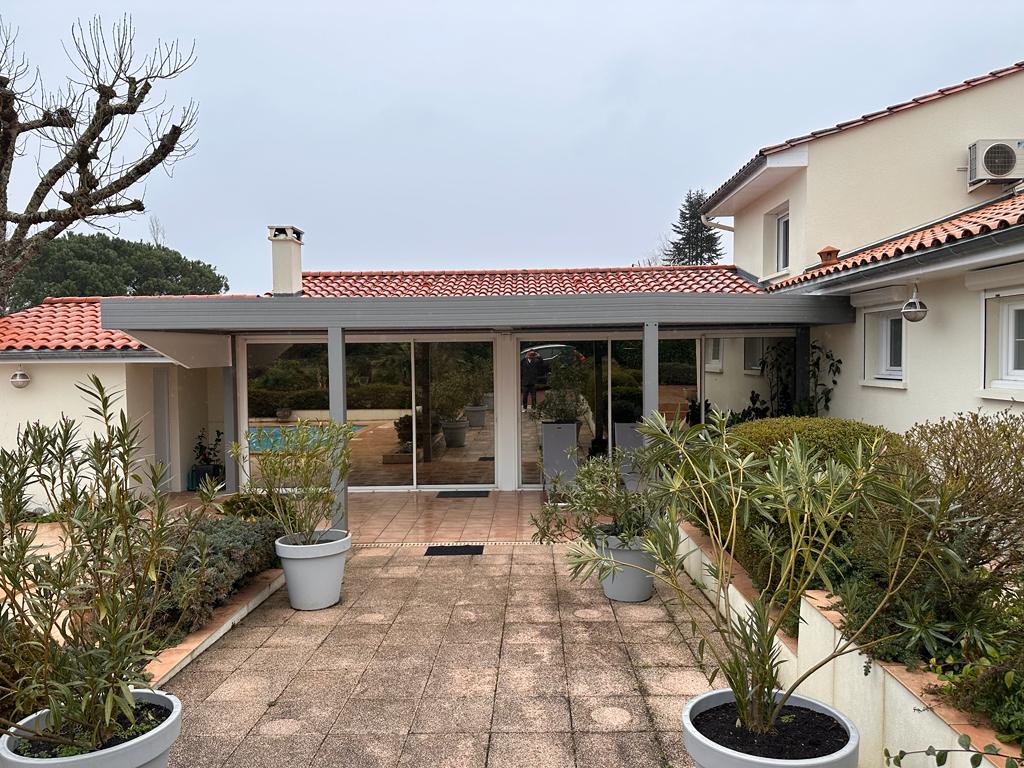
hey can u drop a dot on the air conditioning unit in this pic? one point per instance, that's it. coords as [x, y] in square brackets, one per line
[995, 160]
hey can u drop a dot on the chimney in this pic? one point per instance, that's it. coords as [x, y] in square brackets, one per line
[829, 255]
[286, 255]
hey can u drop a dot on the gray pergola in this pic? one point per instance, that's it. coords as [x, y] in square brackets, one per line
[198, 331]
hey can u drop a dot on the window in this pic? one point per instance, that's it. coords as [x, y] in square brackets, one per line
[782, 241]
[883, 345]
[753, 352]
[1011, 334]
[713, 355]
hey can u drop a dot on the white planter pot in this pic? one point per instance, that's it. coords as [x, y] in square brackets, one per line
[629, 585]
[313, 572]
[150, 750]
[707, 754]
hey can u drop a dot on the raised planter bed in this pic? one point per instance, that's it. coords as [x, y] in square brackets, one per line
[889, 705]
[171, 661]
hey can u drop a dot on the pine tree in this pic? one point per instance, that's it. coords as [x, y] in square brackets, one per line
[695, 242]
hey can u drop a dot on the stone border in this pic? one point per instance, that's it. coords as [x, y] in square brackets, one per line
[890, 704]
[171, 661]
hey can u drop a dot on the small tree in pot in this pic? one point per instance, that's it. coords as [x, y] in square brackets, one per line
[799, 502]
[78, 624]
[598, 508]
[299, 480]
[561, 410]
[448, 398]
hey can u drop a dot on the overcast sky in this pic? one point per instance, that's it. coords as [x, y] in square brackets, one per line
[452, 134]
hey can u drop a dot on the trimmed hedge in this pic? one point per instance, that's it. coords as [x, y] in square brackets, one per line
[829, 435]
[263, 403]
[677, 373]
[236, 550]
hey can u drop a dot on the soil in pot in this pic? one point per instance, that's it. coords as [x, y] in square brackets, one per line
[799, 734]
[147, 717]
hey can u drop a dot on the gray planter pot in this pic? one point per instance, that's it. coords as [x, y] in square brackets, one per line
[454, 433]
[477, 415]
[628, 439]
[628, 585]
[150, 750]
[707, 754]
[558, 444]
[489, 401]
[313, 572]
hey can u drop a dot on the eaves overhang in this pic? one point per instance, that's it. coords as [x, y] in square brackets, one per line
[758, 176]
[225, 314]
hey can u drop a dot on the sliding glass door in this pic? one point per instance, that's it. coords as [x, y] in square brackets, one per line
[423, 412]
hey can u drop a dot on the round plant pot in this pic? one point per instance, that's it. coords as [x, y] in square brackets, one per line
[628, 585]
[476, 415]
[454, 433]
[707, 754]
[150, 750]
[313, 572]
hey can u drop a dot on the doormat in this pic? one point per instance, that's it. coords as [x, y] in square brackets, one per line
[463, 494]
[486, 458]
[439, 550]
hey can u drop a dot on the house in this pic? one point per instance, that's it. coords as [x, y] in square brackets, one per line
[877, 207]
[833, 231]
[45, 351]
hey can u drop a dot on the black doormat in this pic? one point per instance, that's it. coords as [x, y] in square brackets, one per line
[463, 494]
[486, 458]
[438, 550]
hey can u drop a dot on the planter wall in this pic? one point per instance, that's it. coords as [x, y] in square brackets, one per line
[889, 705]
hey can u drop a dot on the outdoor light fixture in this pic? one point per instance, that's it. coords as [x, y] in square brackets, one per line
[914, 310]
[20, 378]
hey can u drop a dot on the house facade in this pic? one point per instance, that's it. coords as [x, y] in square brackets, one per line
[870, 209]
[834, 233]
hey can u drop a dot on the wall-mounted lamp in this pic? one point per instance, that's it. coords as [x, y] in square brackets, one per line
[20, 378]
[915, 310]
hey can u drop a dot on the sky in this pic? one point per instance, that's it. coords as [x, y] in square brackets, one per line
[456, 134]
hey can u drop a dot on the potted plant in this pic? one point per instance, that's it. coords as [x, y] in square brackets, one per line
[299, 480]
[598, 508]
[448, 398]
[560, 410]
[207, 459]
[78, 624]
[799, 503]
[478, 385]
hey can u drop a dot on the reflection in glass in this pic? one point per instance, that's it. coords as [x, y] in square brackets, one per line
[677, 379]
[379, 402]
[284, 383]
[454, 396]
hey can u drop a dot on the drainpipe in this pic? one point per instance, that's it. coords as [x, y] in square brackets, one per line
[712, 224]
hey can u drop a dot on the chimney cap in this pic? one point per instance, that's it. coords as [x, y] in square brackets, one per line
[829, 254]
[283, 231]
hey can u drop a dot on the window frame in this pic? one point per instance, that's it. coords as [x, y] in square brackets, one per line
[713, 361]
[1008, 373]
[760, 355]
[782, 222]
[886, 370]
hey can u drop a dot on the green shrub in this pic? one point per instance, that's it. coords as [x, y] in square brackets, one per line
[247, 506]
[228, 551]
[264, 403]
[378, 395]
[829, 435]
[623, 378]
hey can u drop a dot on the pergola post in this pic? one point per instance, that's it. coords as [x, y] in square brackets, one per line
[650, 368]
[338, 408]
[802, 365]
[229, 387]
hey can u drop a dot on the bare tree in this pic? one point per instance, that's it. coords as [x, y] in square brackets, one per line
[156, 231]
[93, 140]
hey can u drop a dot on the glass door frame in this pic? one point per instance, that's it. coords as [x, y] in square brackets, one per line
[411, 339]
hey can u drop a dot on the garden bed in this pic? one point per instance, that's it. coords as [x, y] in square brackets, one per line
[890, 705]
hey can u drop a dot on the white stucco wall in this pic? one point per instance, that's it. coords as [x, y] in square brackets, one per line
[730, 389]
[876, 180]
[942, 363]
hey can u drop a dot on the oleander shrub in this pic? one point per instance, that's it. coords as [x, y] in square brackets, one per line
[228, 551]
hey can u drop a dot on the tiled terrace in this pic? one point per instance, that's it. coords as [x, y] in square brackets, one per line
[396, 517]
[495, 661]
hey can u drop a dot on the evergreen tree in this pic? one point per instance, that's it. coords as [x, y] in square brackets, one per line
[695, 242]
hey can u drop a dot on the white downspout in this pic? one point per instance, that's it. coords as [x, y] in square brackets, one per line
[709, 222]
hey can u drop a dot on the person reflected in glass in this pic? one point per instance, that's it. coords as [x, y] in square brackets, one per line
[531, 371]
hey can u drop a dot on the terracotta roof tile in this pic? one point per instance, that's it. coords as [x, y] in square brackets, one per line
[732, 181]
[56, 324]
[528, 282]
[1008, 212]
